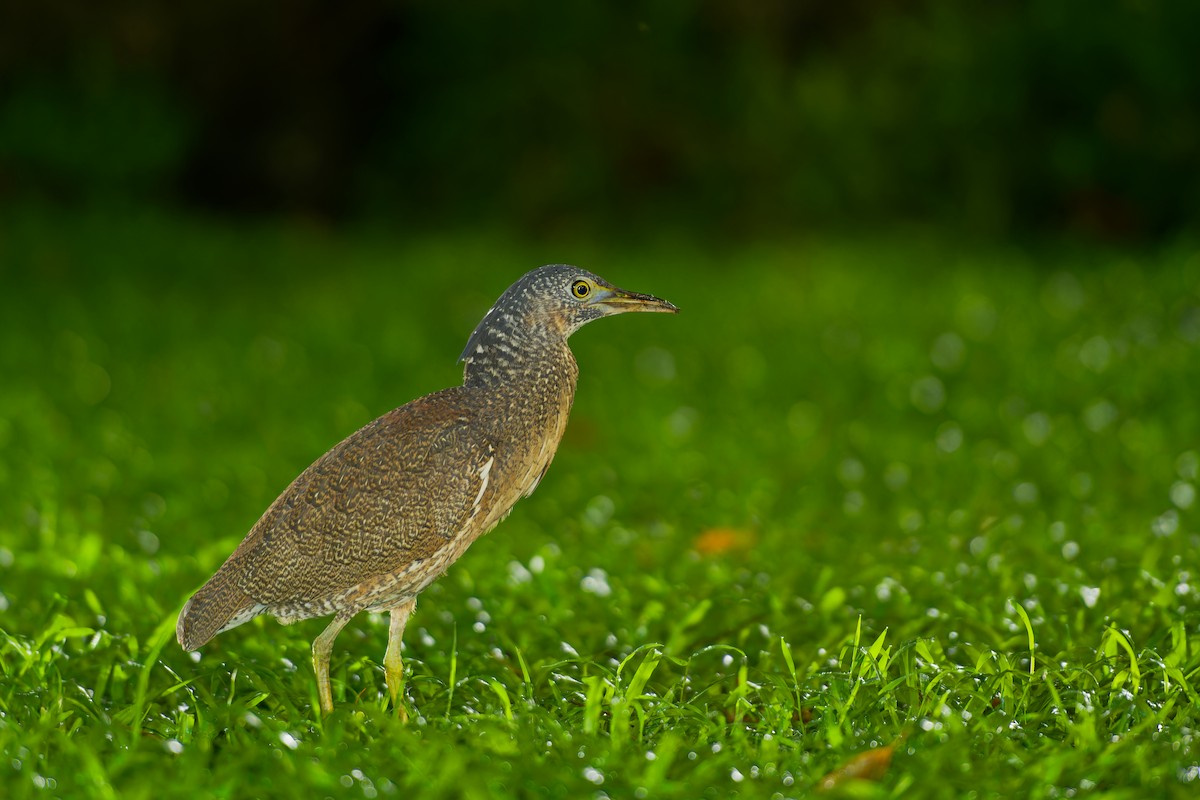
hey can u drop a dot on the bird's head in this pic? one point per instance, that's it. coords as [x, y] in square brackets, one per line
[571, 297]
[557, 299]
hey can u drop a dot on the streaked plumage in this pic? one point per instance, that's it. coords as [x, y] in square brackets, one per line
[380, 516]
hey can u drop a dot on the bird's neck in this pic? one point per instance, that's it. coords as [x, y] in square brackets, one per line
[502, 357]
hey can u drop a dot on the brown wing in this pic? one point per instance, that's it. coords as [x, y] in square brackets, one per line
[394, 492]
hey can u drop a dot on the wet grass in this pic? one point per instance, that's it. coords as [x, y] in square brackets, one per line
[928, 505]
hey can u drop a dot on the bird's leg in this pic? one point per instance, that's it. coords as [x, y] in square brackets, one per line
[321, 648]
[392, 666]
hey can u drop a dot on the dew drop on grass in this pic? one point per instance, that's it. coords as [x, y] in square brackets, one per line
[1090, 595]
[736, 775]
[174, 746]
[682, 422]
[1025, 493]
[1070, 550]
[1081, 485]
[1096, 354]
[948, 352]
[289, 740]
[949, 437]
[1166, 523]
[1037, 428]
[1188, 465]
[927, 394]
[517, 573]
[596, 582]
[1183, 494]
[599, 511]
[1099, 415]
[148, 542]
[593, 775]
[851, 471]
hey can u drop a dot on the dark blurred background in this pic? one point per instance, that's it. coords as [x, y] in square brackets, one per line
[733, 117]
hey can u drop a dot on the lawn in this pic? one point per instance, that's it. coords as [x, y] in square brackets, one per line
[907, 508]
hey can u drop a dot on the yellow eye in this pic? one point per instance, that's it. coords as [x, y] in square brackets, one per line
[581, 289]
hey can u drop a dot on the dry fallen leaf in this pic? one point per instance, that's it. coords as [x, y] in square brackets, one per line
[717, 541]
[869, 766]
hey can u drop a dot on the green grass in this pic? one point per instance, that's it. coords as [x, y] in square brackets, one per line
[856, 495]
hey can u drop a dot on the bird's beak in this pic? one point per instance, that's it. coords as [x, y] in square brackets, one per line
[621, 301]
